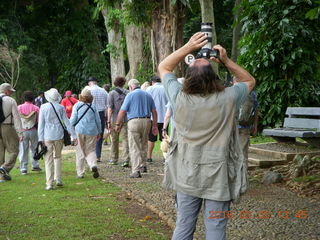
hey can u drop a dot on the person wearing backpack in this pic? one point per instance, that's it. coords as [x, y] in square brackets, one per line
[10, 130]
[29, 114]
[86, 120]
[248, 122]
[115, 100]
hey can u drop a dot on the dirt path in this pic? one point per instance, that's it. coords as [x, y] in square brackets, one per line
[265, 212]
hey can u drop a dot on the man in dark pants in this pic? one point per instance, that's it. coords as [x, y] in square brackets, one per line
[100, 100]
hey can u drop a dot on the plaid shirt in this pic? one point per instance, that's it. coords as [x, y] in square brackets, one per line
[100, 98]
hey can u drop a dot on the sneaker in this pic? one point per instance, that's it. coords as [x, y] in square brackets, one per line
[135, 175]
[113, 162]
[143, 169]
[5, 174]
[23, 172]
[80, 176]
[95, 172]
[49, 187]
[36, 169]
[59, 183]
[98, 160]
[125, 164]
[149, 160]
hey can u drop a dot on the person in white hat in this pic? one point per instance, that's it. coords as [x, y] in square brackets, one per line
[10, 130]
[51, 132]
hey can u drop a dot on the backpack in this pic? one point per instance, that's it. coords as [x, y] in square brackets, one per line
[246, 112]
[2, 116]
[120, 98]
[28, 121]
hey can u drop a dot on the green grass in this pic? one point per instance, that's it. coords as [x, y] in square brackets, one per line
[82, 209]
[260, 139]
[305, 179]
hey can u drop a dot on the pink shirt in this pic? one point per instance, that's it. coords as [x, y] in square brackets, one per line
[27, 107]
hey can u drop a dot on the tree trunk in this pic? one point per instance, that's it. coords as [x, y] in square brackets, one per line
[116, 52]
[134, 40]
[236, 32]
[207, 16]
[167, 32]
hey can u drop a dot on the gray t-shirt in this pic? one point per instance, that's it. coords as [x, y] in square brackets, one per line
[115, 101]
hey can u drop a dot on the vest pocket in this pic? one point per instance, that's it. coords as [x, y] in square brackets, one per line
[202, 169]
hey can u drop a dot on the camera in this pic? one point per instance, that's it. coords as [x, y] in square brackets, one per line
[207, 51]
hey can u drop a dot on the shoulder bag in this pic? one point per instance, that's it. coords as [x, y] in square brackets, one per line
[66, 135]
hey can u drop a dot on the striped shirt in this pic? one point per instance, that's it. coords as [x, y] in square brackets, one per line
[100, 98]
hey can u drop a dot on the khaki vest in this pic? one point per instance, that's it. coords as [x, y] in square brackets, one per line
[204, 158]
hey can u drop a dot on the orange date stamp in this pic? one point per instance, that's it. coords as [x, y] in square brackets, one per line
[263, 214]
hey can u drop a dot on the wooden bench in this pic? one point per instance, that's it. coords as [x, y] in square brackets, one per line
[302, 122]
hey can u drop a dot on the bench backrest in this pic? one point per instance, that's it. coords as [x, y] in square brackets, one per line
[303, 117]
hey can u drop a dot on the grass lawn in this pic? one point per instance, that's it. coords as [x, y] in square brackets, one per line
[82, 209]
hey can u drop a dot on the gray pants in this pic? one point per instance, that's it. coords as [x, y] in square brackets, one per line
[30, 141]
[188, 208]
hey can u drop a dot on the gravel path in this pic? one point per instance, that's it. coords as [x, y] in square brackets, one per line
[265, 212]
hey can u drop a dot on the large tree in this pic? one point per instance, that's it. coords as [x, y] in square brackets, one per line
[167, 31]
[112, 15]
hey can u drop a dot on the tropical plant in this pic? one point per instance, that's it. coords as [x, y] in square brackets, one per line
[280, 48]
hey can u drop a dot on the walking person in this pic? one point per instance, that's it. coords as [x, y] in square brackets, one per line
[115, 101]
[29, 114]
[68, 102]
[10, 130]
[86, 120]
[50, 133]
[40, 99]
[205, 163]
[100, 101]
[138, 106]
[160, 100]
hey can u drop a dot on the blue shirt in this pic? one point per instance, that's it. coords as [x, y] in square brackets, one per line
[159, 98]
[90, 123]
[138, 103]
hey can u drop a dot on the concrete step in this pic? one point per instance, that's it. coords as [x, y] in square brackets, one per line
[252, 166]
[254, 148]
[264, 161]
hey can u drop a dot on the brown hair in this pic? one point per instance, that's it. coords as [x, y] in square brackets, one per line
[201, 79]
[86, 99]
[28, 96]
[119, 81]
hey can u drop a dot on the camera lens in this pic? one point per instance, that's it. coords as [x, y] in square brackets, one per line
[207, 29]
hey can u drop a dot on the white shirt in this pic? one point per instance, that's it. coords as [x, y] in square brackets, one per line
[49, 128]
[100, 98]
[160, 100]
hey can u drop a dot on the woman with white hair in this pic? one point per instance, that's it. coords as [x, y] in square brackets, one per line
[86, 120]
[51, 132]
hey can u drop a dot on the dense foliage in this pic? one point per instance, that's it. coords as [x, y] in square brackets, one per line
[63, 44]
[280, 47]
